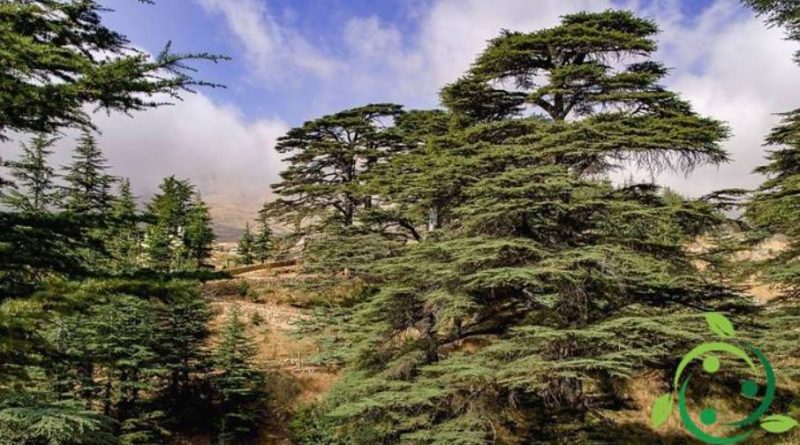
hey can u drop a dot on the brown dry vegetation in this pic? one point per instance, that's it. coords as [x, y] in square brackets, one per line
[269, 306]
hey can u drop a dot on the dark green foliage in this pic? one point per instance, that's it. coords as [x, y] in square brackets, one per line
[237, 381]
[327, 158]
[50, 72]
[244, 250]
[180, 234]
[351, 250]
[404, 181]
[88, 357]
[88, 186]
[34, 239]
[774, 209]
[473, 101]
[310, 426]
[124, 242]
[87, 192]
[32, 190]
[33, 247]
[32, 419]
[546, 287]
[263, 244]
[199, 233]
[326, 186]
[128, 350]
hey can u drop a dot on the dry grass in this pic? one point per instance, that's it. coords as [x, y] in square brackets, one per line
[267, 301]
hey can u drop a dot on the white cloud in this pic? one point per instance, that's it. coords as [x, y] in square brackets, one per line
[732, 67]
[726, 62]
[274, 52]
[232, 161]
[451, 34]
[368, 37]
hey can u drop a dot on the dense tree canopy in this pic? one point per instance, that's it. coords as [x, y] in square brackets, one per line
[548, 285]
[483, 280]
[94, 349]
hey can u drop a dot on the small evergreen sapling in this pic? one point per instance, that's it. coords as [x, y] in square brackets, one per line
[237, 381]
[244, 249]
[33, 189]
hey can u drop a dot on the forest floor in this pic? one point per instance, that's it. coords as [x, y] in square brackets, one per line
[270, 307]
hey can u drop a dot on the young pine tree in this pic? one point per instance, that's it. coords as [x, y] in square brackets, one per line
[88, 186]
[124, 235]
[238, 383]
[183, 349]
[262, 241]
[199, 235]
[36, 240]
[245, 247]
[180, 234]
[33, 190]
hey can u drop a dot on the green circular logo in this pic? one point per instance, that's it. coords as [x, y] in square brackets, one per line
[708, 354]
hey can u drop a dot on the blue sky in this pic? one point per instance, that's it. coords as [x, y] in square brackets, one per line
[191, 26]
[294, 60]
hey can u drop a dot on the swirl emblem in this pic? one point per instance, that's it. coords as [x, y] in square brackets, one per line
[708, 355]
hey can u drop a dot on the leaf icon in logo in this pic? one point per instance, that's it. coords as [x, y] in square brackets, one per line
[662, 408]
[778, 423]
[720, 325]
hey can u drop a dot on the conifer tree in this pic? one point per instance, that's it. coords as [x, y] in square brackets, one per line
[418, 199]
[33, 419]
[88, 186]
[180, 234]
[774, 209]
[237, 382]
[81, 364]
[182, 347]
[199, 233]
[326, 189]
[125, 237]
[262, 241]
[34, 190]
[87, 193]
[549, 286]
[52, 73]
[244, 250]
[327, 158]
[129, 356]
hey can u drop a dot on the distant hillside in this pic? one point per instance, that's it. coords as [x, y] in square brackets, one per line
[230, 216]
